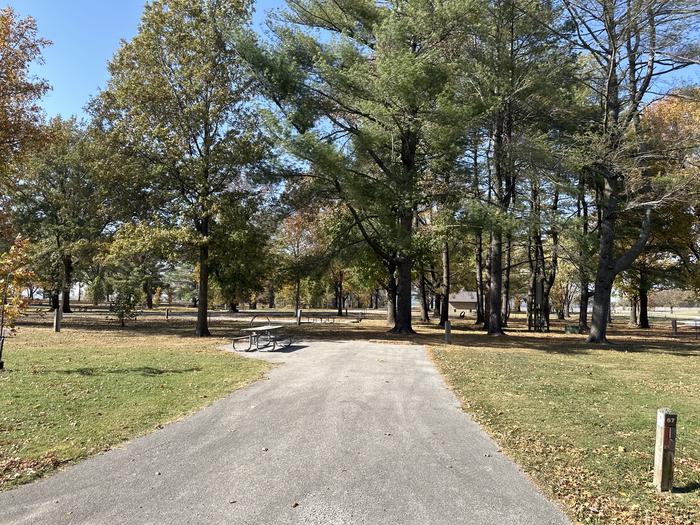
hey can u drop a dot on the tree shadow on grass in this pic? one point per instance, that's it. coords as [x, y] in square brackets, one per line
[90, 323]
[693, 486]
[464, 333]
[146, 371]
[516, 339]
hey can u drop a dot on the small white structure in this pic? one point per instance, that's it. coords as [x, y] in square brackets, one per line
[463, 301]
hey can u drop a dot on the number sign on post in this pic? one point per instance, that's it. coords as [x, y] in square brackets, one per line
[666, 422]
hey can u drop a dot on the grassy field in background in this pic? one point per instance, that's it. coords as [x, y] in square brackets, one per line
[66, 396]
[581, 420]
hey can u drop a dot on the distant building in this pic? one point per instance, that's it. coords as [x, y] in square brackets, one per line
[462, 301]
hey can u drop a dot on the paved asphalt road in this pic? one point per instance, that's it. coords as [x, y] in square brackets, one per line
[348, 432]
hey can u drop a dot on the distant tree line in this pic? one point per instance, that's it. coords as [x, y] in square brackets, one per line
[367, 154]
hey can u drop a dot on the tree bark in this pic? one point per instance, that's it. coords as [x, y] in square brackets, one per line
[149, 295]
[643, 307]
[487, 287]
[202, 328]
[495, 320]
[505, 313]
[479, 279]
[608, 265]
[68, 276]
[402, 323]
[424, 317]
[584, 293]
[55, 300]
[58, 312]
[583, 307]
[297, 296]
[339, 297]
[445, 307]
[633, 310]
[503, 189]
[270, 296]
[391, 295]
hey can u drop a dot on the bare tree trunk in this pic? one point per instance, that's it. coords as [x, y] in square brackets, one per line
[633, 310]
[402, 323]
[202, 328]
[55, 300]
[479, 279]
[503, 184]
[583, 307]
[487, 288]
[58, 312]
[505, 314]
[608, 265]
[391, 295]
[547, 313]
[445, 307]
[424, 317]
[643, 307]
[584, 294]
[147, 290]
[478, 237]
[339, 297]
[68, 281]
[270, 295]
[495, 290]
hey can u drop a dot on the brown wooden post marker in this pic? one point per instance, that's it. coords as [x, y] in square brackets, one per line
[448, 332]
[665, 449]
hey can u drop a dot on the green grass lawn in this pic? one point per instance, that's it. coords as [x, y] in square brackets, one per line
[581, 420]
[66, 396]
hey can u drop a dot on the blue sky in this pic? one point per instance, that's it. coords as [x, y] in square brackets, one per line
[85, 35]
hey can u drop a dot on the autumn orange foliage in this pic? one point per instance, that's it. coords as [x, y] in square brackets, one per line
[14, 275]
